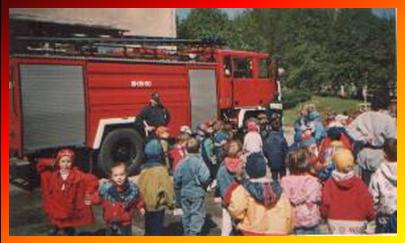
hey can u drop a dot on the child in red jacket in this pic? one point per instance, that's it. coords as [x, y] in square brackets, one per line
[65, 193]
[178, 151]
[119, 199]
[346, 202]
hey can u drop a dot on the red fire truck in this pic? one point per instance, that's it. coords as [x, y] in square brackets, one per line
[84, 92]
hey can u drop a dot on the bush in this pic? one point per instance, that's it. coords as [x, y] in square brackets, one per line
[292, 97]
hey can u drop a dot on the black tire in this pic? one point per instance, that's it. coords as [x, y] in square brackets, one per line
[124, 144]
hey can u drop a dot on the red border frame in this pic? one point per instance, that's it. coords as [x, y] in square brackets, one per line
[6, 4]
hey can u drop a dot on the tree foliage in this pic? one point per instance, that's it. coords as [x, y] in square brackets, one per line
[320, 49]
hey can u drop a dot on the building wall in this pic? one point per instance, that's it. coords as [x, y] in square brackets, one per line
[138, 21]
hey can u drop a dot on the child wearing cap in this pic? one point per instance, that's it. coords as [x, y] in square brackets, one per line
[230, 171]
[156, 188]
[258, 205]
[252, 143]
[304, 193]
[191, 180]
[120, 198]
[346, 202]
[66, 193]
[383, 188]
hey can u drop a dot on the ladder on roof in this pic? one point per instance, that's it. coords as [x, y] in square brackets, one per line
[125, 46]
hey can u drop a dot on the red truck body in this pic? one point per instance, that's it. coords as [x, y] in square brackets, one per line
[95, 95]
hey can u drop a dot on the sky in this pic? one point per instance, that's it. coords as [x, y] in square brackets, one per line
[232, 12]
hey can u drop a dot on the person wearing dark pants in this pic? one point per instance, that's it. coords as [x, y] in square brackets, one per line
[275, 149]
[154, 222]
[156, 188]
[117, 229]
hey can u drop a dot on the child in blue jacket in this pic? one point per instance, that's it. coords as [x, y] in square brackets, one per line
[190, 183]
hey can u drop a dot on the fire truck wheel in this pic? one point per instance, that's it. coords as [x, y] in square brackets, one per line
[123, 144]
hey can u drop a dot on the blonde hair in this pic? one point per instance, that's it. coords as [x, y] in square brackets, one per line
[343, 159]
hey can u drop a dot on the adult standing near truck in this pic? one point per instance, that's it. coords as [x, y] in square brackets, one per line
[153, 115]
[369, 131]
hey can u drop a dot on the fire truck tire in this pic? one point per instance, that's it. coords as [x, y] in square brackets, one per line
[122, 144]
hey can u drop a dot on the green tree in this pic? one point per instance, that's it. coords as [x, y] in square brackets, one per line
[204, 23]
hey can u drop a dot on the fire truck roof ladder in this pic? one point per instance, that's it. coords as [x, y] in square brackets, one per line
[125, 46]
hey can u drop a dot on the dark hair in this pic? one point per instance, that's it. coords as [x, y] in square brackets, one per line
[380, 100]
[334, 133]
[232, 148]
[275, 124]
[118, 163]
[297, 161]
[182, 137]
[193, 146]
[390, 149]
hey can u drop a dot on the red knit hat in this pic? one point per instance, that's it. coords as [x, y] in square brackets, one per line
[233, 164]
[64, 152]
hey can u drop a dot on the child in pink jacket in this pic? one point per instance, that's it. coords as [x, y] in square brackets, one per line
[304, 193]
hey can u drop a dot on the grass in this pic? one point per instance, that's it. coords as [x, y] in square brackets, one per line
[323, 105]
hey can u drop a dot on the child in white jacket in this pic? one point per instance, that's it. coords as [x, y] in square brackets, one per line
[252, 142]
[383, 188]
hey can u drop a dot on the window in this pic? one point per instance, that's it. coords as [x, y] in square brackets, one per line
[227, 66]
[243, 67]
[263, 68]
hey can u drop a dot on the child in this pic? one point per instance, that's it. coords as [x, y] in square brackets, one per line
[190, 182]
[336, 139]
[275, 149]
[258, 205]
[346, 203]
[207, 151]
[314, 119]
[229, 172]
[300, 124]
[304, 192]
[309, 144]
[252, 142]
[178, 151]
[66, 193]
[156, 188]
[264, 125]
[163, 135]
[119, 199]
[383, 188]
[186, 131]
[220, 139]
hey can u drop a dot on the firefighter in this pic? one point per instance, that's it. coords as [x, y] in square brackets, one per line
[153, 115]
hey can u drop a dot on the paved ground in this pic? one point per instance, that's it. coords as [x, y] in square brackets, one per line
[28, 218]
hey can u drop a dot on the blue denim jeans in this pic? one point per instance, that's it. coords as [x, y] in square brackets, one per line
[315, 230]
[193, 215]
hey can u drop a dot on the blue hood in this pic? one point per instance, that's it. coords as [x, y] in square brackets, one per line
[265, 193]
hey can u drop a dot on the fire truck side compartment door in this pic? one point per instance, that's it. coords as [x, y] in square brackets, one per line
[52, 106]
[203, 95]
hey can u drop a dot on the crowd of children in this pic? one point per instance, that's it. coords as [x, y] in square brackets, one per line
[341, 173]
